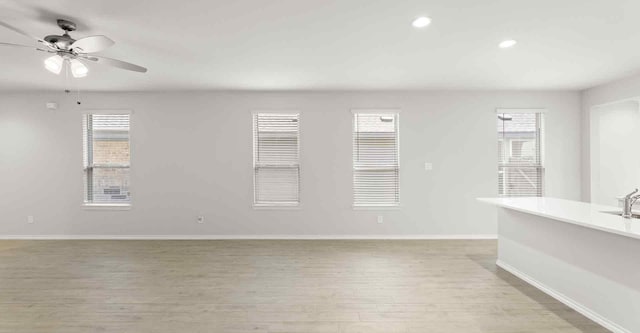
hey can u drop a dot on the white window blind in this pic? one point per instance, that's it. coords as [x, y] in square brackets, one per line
[376, 164]
[276, 162]
[520, 154]
[106, 158]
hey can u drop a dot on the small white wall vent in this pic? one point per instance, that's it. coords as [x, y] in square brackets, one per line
[51, 105]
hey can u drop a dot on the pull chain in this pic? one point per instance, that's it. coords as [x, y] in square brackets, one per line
[67, 68]
[66, 77]
[78, 92]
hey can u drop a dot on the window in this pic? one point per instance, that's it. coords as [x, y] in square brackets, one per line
[520, 150]
[106, 159]
[276, 161]
[376, 167]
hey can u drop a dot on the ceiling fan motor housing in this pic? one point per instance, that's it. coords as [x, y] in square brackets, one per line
[63, 42]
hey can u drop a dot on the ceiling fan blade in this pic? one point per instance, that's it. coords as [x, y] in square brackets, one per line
[17, 45]
[116, 63]
[92, 44]
[26, 46]
[14, 29]
[40, 40]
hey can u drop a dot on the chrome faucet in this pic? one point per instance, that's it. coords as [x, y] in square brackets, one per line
[629, 200]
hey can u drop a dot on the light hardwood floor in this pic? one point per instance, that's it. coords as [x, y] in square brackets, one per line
[269, 286]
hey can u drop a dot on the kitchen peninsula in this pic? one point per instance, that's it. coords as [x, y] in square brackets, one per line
[579, 253]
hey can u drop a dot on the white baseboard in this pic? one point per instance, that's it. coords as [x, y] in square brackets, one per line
[239, 237]
[564, 299]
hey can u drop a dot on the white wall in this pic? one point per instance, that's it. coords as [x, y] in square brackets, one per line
[191, 155]
[627, 89]
[614, 168]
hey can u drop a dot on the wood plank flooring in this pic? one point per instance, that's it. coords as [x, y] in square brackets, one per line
[269, 286]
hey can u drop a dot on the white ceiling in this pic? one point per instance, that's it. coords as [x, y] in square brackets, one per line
[334, 44]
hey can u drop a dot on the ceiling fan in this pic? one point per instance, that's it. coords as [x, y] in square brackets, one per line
[71, 52]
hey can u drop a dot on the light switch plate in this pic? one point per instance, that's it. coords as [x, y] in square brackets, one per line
[428, 166]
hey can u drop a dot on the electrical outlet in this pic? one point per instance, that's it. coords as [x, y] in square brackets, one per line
[380, 219]
[30, 219]
[428, 166]
[200, 219]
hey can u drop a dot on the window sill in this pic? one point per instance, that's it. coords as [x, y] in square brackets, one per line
[106, 206]
[276, 207]
[398, 207]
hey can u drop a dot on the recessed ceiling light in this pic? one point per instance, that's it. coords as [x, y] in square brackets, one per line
[505, 44]
[421, 22]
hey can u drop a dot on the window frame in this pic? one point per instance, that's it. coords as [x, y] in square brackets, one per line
[374, 206]
[107, 206]
[275, 205]
[541, 137]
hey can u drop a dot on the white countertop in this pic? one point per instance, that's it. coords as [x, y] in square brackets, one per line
[574, 212]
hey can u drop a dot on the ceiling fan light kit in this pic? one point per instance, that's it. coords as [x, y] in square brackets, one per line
[53, 64]
[72, 53]
[78, 69]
